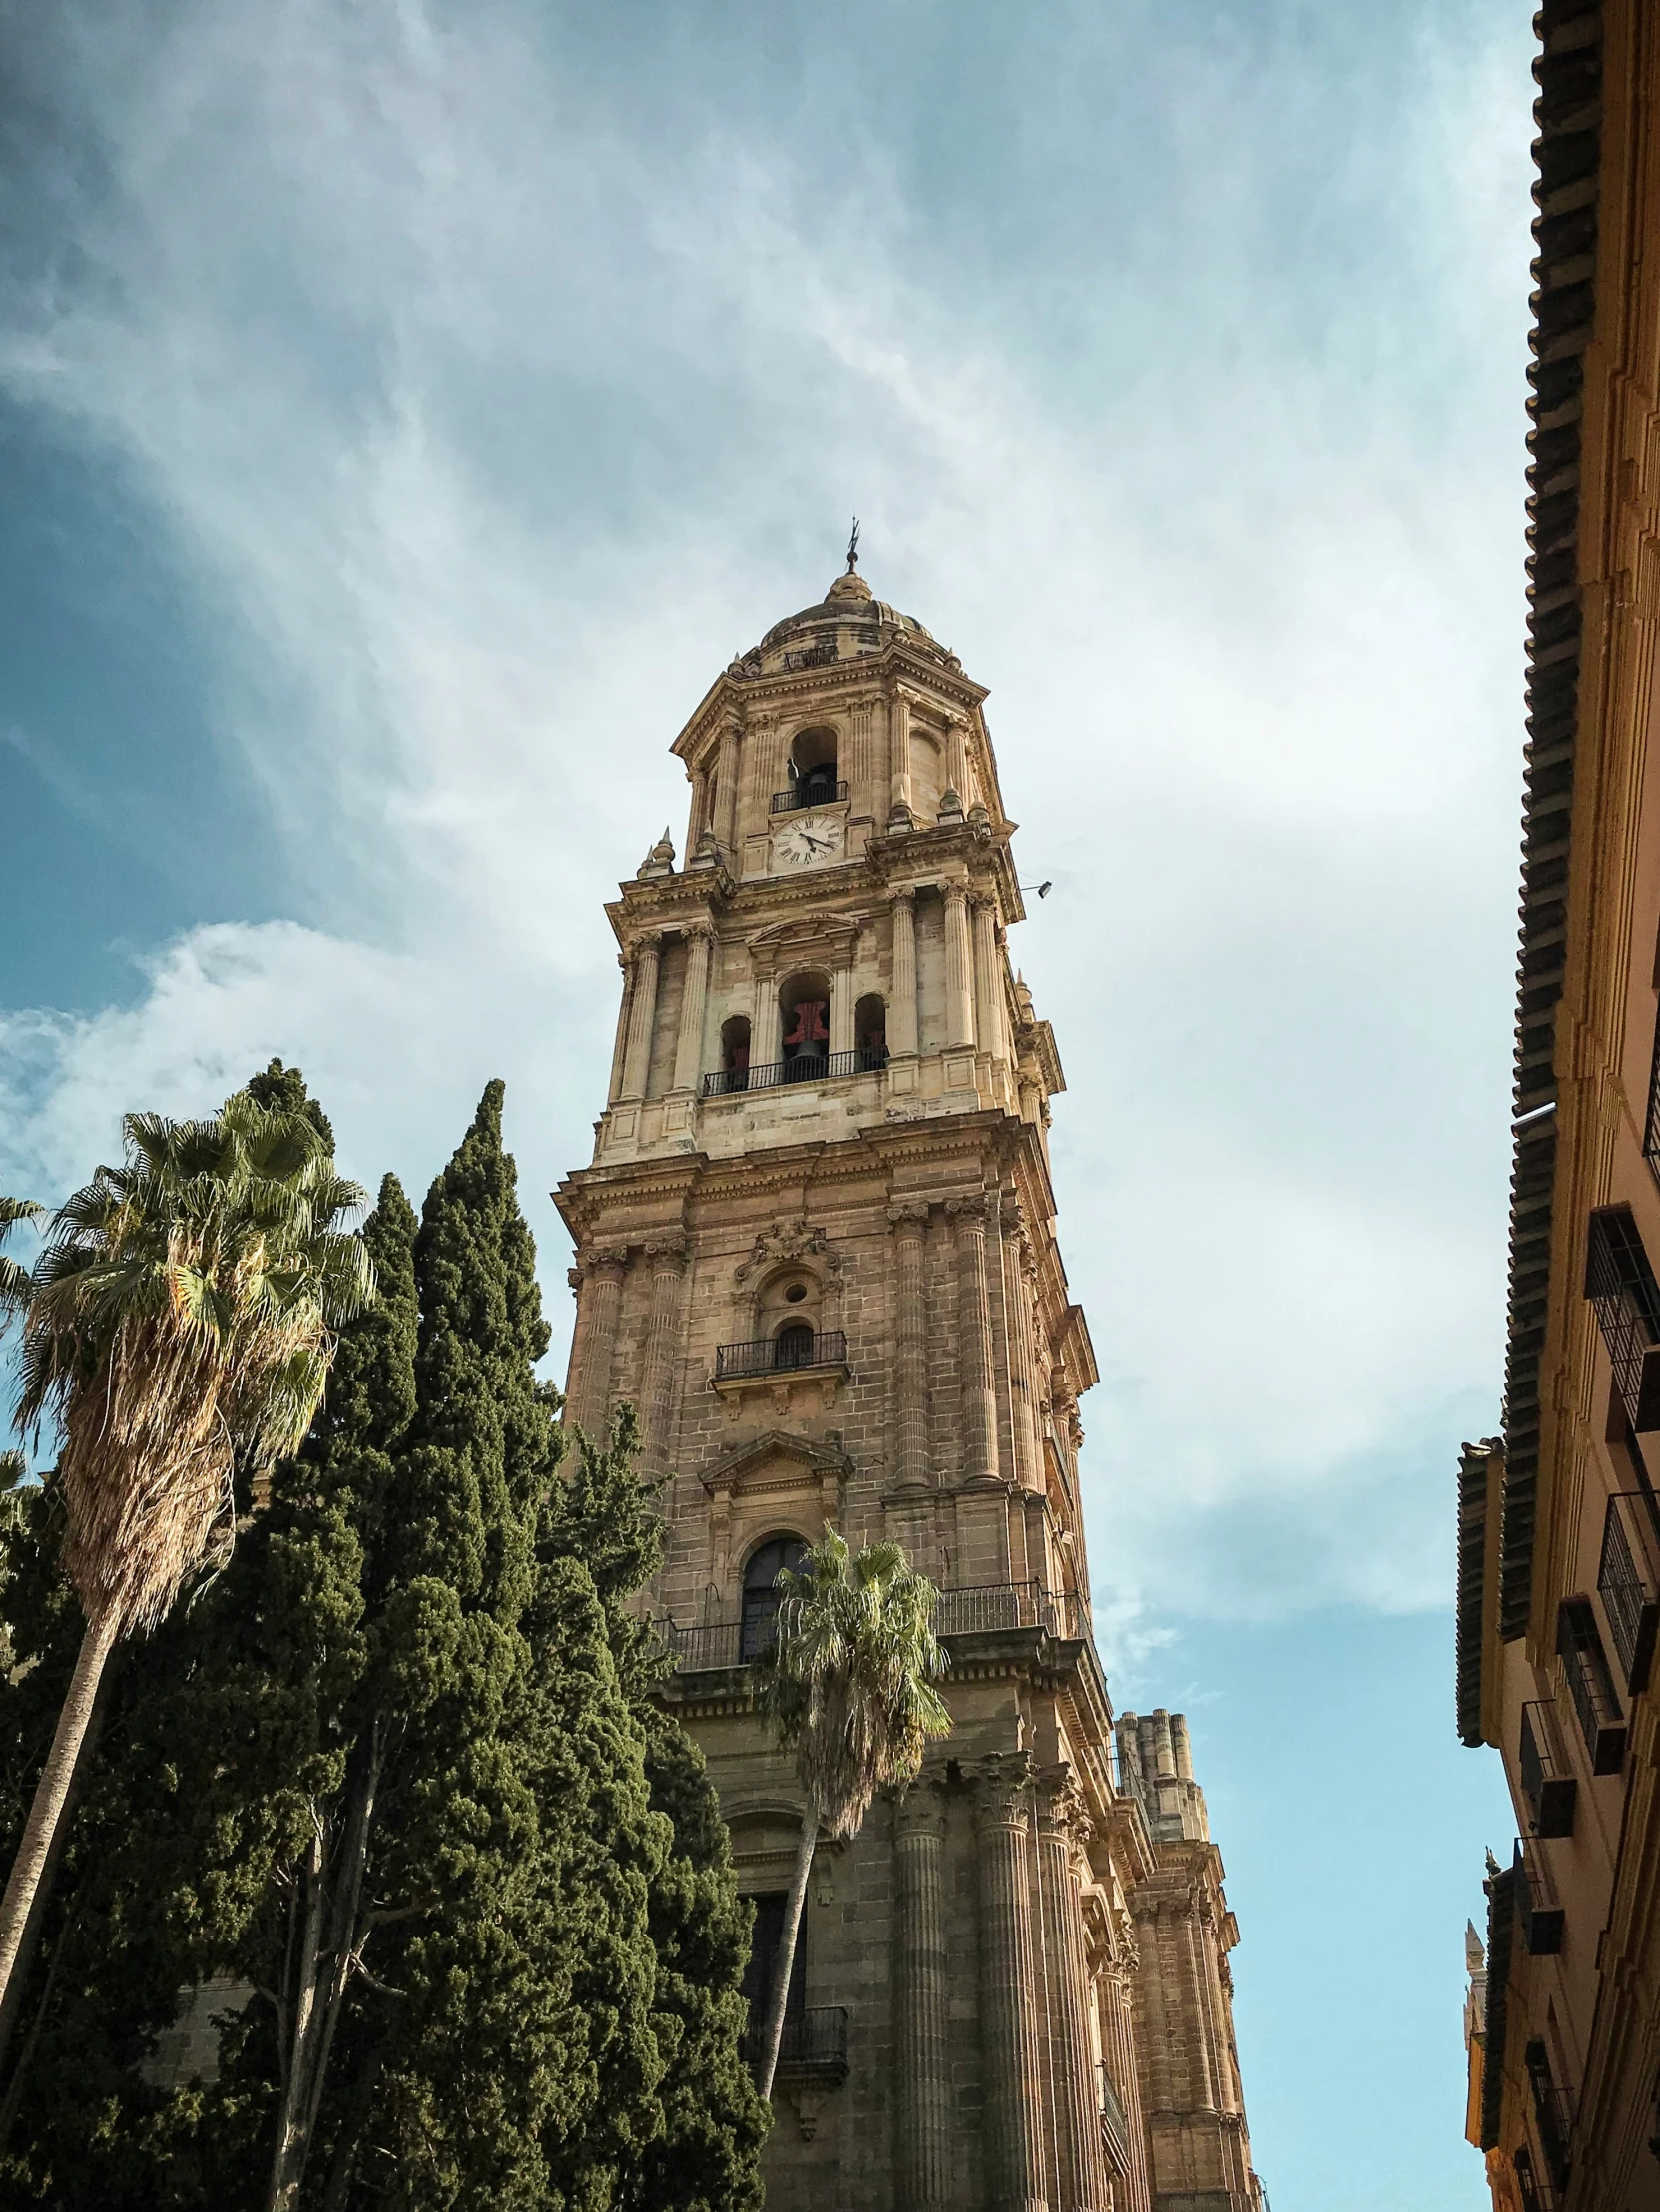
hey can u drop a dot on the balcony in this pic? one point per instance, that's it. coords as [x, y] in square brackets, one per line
[1590, 1685]
[1625, 1584]
[705, 1646]
[1540, 1914]
[813, 2046]
[1550, 1789]
[1115, 2128]
[804, 795]
[806, 1067]
[788, 1353]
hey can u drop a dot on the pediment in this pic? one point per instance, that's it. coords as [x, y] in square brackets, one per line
[796, 1460]
[799, 932]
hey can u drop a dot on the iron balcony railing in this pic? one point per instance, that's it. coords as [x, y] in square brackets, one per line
[696, 1647]
[1590, 1685]
[780, 1354]
[1115, 2129]
[808, 794]
[1625, 1583]
[989, 1606]
[1625, 1298]
[1551, 1788]
[1552, 2114]
[1541, 1913]
[813, 2041]
[806, 1067]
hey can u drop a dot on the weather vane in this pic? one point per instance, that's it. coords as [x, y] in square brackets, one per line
[852, 548]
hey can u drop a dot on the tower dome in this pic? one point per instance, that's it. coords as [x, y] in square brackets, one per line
[848, 624]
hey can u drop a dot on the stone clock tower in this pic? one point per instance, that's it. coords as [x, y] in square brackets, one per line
[817, 1247]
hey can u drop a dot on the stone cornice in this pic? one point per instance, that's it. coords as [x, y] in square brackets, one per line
[899, 657]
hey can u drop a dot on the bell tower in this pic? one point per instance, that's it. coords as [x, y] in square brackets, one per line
[817, 1247]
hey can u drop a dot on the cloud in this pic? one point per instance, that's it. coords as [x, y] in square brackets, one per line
[505, 399]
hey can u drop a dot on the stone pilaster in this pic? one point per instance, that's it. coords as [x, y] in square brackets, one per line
[641, 1012]
[974, 1343]
[988, 982]
[599, 1307]
[620, 1046]
[959, 992]
[666, 1257]
[700, 943]
[1115, 2008]
[1079, 2158]
[864, 772]
[910, 1218]
[725, 786]
[898, 757]
[922, 2175]
[901, 1015]
[956, 759]
[842, 1002]
[1019, 1276]
[1010, 2053]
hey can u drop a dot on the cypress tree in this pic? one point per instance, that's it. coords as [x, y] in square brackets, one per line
[408, 1729]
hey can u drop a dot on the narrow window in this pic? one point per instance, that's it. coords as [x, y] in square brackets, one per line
[761, 1597]
[735, 1054]
[765, 1938]
[1620, 1285]
[1590, 1685]
[871, 1032]
[792, 1347]
[1549, 2112]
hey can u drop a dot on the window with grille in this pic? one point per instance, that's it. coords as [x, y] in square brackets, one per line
[1590, 1685]
[1550, 2112]
[1621, 1287]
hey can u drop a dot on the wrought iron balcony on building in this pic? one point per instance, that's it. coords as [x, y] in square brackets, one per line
[789, 1351]
[807, 794]
[1548, 1785]
[994, 1607]
[806, 1067]
[1115, 2128]
[1541, 1913]
[1625, 1583]
[814, 2042]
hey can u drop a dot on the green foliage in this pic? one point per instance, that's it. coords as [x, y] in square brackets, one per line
[848, 1681]
[423, 1641]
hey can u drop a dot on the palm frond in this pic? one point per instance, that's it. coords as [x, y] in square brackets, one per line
[848, 1682]
[181, 1318]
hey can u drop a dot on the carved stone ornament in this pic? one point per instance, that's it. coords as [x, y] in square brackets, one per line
[598, 1258]
[668, 1244]
[968, 1209]
[1004, 1795]
[786, 1240]
[905, 1210]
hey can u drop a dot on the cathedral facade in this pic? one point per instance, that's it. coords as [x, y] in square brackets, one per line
[816, 1248]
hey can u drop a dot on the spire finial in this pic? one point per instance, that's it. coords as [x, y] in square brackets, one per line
[853, 549]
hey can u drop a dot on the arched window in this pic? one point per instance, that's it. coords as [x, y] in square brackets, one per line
[804, 1005]
[735, 1053]
[813, 761]
[871, 1032]
[761, 1597]
[792, 1345]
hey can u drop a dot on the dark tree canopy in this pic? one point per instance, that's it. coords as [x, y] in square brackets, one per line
[415, 1710]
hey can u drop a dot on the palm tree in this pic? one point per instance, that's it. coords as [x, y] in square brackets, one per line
[13, 1281]
[847, 1685]
[179, 1326]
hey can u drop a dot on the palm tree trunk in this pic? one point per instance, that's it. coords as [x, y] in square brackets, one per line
[777, 1996]
[97, 1643]
[11, 2005]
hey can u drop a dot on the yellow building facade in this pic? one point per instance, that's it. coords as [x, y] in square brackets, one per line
[1559, 1519]
[817, 1247]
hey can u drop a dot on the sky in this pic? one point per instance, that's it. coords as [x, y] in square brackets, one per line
[406, 409]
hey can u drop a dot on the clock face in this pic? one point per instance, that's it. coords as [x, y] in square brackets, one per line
[815, 838]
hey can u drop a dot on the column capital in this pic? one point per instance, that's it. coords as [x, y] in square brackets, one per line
[1063, 1810]
[604, 1259]
[1011, 1213]
[667, 1248]
[1002, 1785]
[699, 931]
[966, 1212]
[901, 895]
[953, 892]
[906, 1211]
[919, 1809]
